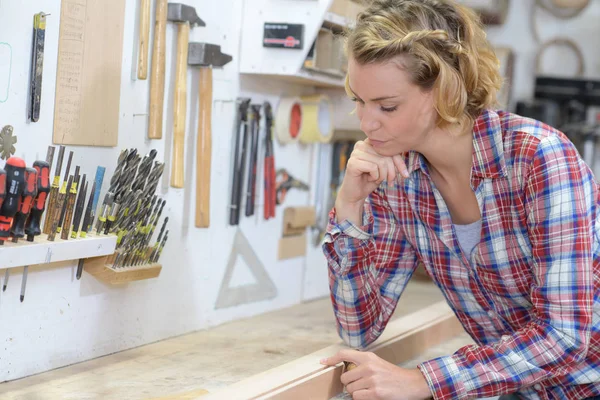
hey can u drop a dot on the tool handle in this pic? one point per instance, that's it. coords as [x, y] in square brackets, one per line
[51, 207]
[25, 203]
[15, 182]
[66, 223]
[251, 186]
[180, 105]
[144, 39]
[157, 78]
[204, 149]
[2, 186]
[269, 187]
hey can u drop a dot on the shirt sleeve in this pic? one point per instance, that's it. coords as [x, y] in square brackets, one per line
[560, 204]
[369, 267]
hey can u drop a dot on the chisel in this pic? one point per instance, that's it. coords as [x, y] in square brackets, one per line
[54, 191]
[61, 205]
[65, 222]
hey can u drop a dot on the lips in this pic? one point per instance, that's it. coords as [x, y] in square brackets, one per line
[377, 142]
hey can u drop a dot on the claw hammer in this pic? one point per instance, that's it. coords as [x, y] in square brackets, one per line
[184, 17]
[205, 56]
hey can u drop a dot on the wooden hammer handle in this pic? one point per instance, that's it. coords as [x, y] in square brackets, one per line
[180, 105]
[144, 40]
[204, 149]
[157, 78]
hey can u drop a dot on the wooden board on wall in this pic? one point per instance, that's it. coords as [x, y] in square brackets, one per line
[88, 75]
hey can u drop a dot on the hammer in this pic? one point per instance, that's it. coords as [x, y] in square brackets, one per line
[157, 73]
[184, 17]
[205, 56]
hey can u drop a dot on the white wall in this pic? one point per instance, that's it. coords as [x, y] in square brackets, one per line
[64, 321]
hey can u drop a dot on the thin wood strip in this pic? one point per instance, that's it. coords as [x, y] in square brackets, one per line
[305, 377]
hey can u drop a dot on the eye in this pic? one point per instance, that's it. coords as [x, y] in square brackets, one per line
[390, 109]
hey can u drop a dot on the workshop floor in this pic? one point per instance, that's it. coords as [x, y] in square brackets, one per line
[209, 359]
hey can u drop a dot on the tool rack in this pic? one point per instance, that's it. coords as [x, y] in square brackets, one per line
[42, 251]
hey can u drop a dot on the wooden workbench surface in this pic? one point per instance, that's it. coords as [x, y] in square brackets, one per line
[209, 359]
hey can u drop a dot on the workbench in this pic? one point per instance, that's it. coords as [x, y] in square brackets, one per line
[211, 359]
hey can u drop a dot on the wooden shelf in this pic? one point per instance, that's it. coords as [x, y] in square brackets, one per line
[309, 78]
[98, 267]
[42, 251]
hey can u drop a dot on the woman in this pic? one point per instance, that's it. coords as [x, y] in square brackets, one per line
[500, 209]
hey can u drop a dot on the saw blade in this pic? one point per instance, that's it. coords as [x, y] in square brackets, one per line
[7, 142]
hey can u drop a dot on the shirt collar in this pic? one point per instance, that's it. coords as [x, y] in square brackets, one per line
[488, 148]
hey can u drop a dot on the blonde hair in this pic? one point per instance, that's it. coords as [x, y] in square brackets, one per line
[444, 48]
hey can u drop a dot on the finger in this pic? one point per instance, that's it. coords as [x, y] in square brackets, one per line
[366, 146]
[353, 375]
[375, 159]
[354, 386]
[362, 394]
[391, 172]
[364, 167]
[400, 165]
[354, 356]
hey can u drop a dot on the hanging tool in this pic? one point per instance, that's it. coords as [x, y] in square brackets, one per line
[87, 216]
[251, 181]
[184, 17]
[239, 160]
[29, 193]
[61, 206]
[64, 222]
[15, 184]
[67, 223]
[206, 56]
[63, 189]
[79, 208]
[32, 228]
[50, 156]
[54, 191]
[97, 187]
[37, 66]
[157, 73]
[269, 167]
[7, 142]
[86, 223]
[2, 197]
[144, 40]
[286, 182]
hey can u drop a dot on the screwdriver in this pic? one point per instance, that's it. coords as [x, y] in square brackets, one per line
[18, 226]
[15, 183]
[29, 193]
[2, 196]
[32, 228]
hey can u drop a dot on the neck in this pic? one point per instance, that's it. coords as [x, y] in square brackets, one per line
[449, 152]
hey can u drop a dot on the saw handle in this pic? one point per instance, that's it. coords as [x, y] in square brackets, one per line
[180, 105]
[204, 149]
[157, 78]
[144, 39]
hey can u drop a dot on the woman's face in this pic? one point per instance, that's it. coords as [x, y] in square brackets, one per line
[395, 114]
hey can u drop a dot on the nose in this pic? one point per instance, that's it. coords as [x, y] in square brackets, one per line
[368, 120]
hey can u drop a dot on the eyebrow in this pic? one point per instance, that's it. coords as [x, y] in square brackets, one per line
[375, 99]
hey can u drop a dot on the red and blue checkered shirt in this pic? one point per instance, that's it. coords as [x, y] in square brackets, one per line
[527, 293]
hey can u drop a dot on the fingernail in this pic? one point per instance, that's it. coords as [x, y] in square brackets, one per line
[405, 174]
[324, 361]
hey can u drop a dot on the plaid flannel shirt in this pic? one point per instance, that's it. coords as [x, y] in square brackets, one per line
[528, 292]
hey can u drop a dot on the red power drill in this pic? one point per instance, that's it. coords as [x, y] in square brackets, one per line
[15, 182]
[39, 205]
[29, 192]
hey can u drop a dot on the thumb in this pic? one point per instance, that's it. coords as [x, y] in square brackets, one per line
[353, 356]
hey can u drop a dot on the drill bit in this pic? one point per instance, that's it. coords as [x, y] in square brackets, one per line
[144, 171]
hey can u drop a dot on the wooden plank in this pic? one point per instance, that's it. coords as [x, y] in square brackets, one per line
[88, 75]
[184, 396]
[306, 378]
